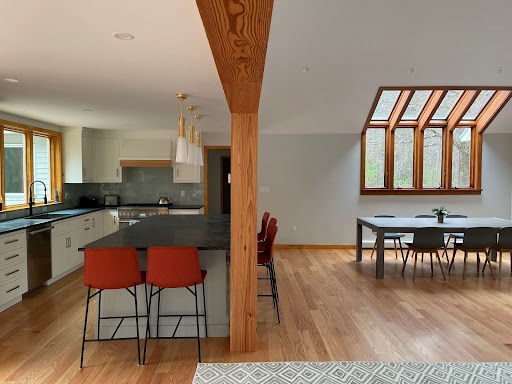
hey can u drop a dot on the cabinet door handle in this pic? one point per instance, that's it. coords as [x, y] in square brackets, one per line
[11, 257]
[11, 241]
[12, 289]
[68, 242]
[93, 222]
[117, 172]
[84, 173]
[12, 272]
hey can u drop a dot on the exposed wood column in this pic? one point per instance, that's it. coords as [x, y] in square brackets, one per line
[238, 31]
[244, 172]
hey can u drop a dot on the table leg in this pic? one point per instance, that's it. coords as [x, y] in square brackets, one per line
[359, 242]
[379, 264]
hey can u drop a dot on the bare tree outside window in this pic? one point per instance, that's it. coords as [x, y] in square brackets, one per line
[461, 157]
[404, 153]
[374, 161]
[432, 157]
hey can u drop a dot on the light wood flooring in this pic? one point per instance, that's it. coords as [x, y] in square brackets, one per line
[332, 308]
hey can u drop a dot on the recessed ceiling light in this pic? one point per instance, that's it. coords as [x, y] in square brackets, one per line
[305, 69]
[12, 80]
[123, 36]
[411, 70]
[500, 70]
[87, 110]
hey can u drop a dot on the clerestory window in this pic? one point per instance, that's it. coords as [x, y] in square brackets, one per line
[427, 140]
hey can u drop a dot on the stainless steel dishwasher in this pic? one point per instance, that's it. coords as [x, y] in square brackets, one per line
[39, 255]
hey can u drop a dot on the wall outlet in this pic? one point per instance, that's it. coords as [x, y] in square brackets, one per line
[294, 228]
[3, 216]
[67, 195]
[182, 193]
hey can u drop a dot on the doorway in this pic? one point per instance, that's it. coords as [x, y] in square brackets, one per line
[217, 189]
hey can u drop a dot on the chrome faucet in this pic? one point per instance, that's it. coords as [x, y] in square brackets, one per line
[30, 198]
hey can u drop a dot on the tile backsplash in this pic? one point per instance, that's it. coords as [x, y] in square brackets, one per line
[140, 185]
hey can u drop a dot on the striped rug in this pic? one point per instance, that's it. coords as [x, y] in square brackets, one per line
[367, 372]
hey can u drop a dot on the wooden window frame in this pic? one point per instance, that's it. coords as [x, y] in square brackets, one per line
[29, 131]
[424, 121]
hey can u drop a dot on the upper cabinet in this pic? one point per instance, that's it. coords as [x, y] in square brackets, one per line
[89, 159]
[185, 173]
[78, 155]
[106, 164]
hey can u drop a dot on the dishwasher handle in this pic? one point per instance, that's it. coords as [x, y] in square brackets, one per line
[40, 230]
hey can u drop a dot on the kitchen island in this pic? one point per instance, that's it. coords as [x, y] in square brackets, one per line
[211, 235]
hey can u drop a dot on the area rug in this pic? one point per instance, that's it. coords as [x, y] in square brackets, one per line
[352, 372]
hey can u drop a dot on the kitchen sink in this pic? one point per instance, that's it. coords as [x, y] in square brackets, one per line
[51, 215]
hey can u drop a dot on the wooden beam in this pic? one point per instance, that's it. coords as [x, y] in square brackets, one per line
[244, 172]
[430, 108]
[491, 110]
[460, 109]
[400, 108]
[238, 31]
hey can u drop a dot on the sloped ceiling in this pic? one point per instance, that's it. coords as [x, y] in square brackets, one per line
[325, 60]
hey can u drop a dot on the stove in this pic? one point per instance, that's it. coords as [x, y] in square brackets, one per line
[141, 211]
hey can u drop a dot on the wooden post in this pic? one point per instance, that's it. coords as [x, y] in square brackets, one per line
[244, 172]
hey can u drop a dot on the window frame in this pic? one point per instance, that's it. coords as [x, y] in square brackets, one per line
[478, 126]
[29, 131]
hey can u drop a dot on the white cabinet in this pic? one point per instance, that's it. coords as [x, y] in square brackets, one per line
[110, 221]
[70, 234]
[185, 173]
[78, 155]
[13, 268]
[66, 236]
[107, 168]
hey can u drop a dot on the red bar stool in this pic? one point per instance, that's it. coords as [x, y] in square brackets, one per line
[174, 267]
[266, 259]
[111, 268]
[262, 234]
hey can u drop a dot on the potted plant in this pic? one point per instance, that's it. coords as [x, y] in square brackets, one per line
[440, 212]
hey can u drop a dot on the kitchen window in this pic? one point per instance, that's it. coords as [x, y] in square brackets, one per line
[427, 140]
[28, 153]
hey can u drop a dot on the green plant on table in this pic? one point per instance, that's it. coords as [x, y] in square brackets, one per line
[441, 211]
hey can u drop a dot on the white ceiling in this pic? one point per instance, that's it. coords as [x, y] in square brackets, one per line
[67, 60]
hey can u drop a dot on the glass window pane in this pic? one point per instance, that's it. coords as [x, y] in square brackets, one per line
[403, 163]
[385, 105]
[446, 106]
[432, 157]
[41, 168]
[374, 159]
[480, 102]
[416, 105]
[461, 157]
[15, 170]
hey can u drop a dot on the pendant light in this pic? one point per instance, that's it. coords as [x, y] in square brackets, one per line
[181, 144]
[199, 150]
[191, 149]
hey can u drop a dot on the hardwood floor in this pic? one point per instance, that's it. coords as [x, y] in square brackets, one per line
[332, 308]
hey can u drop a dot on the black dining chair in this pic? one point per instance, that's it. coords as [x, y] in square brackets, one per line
[390, 236]
[425, 239]
[476, 240]
[452, 237]
[504, 245]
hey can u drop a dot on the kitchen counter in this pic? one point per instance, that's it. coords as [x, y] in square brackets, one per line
[206, 232]
[22, 223]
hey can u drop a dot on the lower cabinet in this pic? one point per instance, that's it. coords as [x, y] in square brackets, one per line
[13, 268]
[67, 236]
[110, 221]
[182, 211]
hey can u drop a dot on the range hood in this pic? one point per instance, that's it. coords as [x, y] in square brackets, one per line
[145, 153]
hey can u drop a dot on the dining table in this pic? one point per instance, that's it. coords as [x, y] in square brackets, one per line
[382, 225]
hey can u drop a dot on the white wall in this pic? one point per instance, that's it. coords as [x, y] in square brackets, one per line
[313, 183]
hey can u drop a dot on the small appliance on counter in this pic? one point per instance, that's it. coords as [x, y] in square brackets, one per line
[112, 201]
[88, 202]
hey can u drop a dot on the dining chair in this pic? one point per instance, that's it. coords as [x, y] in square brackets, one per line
[390, 236]
[174, 267]
[425, 217]
[476, 240]
[503, 245]
[266, 259]
[111, 268]
[425, 239]
[452, 237]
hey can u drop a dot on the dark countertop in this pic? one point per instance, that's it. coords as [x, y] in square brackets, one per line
[206, 232]
[172, 206]
[23, 223]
